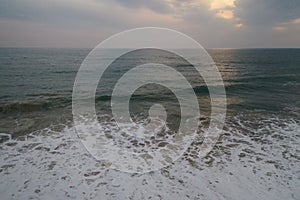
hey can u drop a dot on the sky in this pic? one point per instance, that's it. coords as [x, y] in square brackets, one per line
[213, 23]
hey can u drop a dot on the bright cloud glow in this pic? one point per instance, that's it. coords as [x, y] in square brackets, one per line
[224, 8]
[279, 28]
[239, 25]
[225, 14]
[220, 4]
[296, 21]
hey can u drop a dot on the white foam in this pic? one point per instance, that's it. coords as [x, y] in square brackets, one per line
[55, 165]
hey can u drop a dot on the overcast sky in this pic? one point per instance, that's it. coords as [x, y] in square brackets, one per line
[213, 23]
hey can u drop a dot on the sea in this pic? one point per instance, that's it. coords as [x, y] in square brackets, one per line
[257, 155]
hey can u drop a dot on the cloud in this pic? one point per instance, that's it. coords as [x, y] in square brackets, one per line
[279, 28]
[266, 12]
[159, 6]
[226, 14]
[296, 21]
[239, 25]
[214, 23]
[35, 22]
[221, 4]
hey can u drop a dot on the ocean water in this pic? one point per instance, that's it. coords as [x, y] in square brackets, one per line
[256, 157]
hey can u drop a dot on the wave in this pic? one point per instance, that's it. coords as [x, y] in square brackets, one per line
[34, 105]
[46, 101]
[292, 84]
[254, 159]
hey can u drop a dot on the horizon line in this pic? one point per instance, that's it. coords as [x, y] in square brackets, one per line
[221, 48]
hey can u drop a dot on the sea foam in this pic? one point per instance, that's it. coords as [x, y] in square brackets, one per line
[252, 160]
